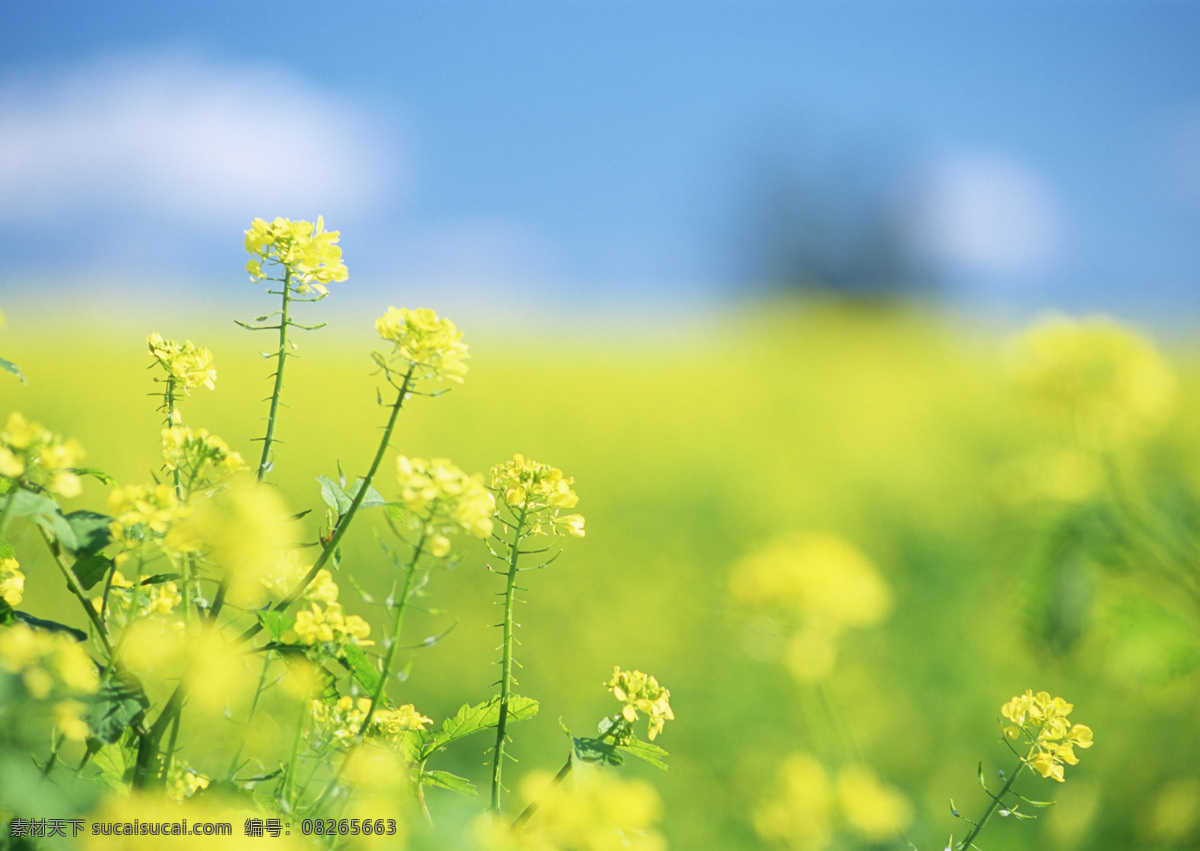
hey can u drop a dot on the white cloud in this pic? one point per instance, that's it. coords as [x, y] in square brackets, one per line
[987, 214]
[176, 133]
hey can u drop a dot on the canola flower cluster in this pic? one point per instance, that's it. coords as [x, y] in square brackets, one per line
[127, 602]
[202, 460]
[820, 586]
[442, 499]
[432, 346]
[809, 806]
[312, 254]
[538, 493]
[641, 693]
[1042, 720]
[37, 458]
[12, 579]
[148, 513]
[340, 721]
[324, 625]
[188, 366]
[1106, 383]
[47, 667]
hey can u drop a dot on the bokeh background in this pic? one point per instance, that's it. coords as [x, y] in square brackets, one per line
[743, 270]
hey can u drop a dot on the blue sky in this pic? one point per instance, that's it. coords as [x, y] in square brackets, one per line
[602, 153]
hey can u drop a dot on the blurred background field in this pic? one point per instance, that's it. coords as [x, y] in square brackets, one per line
[895, 428]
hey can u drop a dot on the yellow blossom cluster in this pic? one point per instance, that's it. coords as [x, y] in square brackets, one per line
[641, 693]
[47, 667]
[39, 458]
[538, 493]
[327, 625]
[1042, 720]
[341, 720]
[818, 585]
[183, 781]
[188, 366]
[1099, 379]
[12, 579]
[126, 599]
[809, 806]
[311, 253]
[442, 499]
[597, 812]
[145, 513]
[201, 459]
[432, 346]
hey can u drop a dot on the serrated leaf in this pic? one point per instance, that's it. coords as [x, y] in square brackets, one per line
[446, 780]
[652, 754]
[120, 704]
[114, 770]
[371, 500]
[92, 531]
[339, 498]
[91, 569]
[275, 623]
[360, 667]
[482, 716]
[596, 750]
[9, 366]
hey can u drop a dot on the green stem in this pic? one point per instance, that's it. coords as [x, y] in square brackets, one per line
[554, 783]
[344, 521]
[264, 463]
[992, 807]
[77, 589]
[7, 510]
[506, 662]
[390, 654]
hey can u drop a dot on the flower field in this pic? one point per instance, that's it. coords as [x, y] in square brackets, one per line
[849, 564]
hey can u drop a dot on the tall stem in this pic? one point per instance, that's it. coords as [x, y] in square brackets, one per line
[390, 654]
[506, 662]
[264, 463]
[992, 807]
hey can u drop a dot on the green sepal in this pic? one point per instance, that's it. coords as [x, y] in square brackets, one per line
[446, 780]
[482, 716]
[120, 704]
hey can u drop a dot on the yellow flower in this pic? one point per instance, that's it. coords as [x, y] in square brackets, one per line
[1043, 721]
[442, 499]
[310, 253]
[431, 346]
[641, 693]
[201, 459]
[874, 809]
[187, 365]
[538, 492]
[316, 625]
[12, 581]
[800, 813]
[51, 669]
[43, 458]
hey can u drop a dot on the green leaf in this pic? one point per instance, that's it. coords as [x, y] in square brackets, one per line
[50, 626]
[7, 615]
[360, 667]
[91, 569]
[43, 511]
[482, 716]
[6, 550]
[96, 473]
[114, 770]
[120, 704]
[9, 366]
[446, 780]
[275, 623]
[652, 754]
[339, 498]
[596, 750]
[92, 532]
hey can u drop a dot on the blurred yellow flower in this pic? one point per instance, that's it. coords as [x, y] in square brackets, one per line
[1100, 379]
[12, 581]
[872, 808]
[432, 346]
[799, 815]
[52, 670]
[30, 451]
[201, 459]
[443, 499]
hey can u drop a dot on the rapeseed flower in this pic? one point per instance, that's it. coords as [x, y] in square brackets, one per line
[148, 513]
[441, 499]
[51, 669]
[38, 458]
[339, 721]
[188, 366]
[311, 253]
[641, 693]
[202, 460]
[12, 581]
[430, 345]
[539, 493]
[1043, 722]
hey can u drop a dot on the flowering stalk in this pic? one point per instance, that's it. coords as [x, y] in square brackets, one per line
[506, 659]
